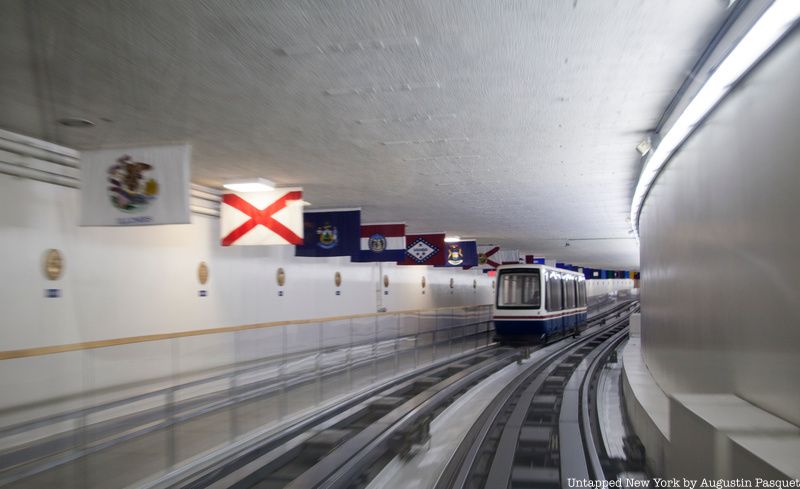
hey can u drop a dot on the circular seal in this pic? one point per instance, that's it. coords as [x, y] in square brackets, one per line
[377, 243]
[385, 280]
[202, 273]
[131, 189]
[53, 264]
[337, 279]
[280, 277]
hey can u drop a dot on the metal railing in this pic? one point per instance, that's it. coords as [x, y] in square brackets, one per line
[129, 389]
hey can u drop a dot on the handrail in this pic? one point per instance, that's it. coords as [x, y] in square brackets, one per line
[90, 345]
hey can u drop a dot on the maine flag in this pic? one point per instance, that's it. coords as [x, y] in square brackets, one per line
[424, 249]
[330, 233]
[382, 242]
[461, 254]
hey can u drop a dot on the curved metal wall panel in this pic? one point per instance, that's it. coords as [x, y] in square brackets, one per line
[720, 248]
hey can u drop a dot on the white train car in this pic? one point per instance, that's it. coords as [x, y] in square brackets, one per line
[538, 302]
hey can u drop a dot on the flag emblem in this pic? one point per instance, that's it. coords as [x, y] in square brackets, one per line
[377, 243]
[128, 191]
[455, 255]
[328, 236]
[420, 250]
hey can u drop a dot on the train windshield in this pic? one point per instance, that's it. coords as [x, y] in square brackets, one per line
[519, 289]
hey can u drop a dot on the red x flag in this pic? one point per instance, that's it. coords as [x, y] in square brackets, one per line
[262, 218]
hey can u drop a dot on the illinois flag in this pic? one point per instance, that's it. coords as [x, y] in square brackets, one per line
[135, 186]
[262, 218]
[424, 249]
[382, 242]
[461, 254]
[330, 233]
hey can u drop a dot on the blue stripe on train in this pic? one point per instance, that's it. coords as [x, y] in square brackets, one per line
[538, 327]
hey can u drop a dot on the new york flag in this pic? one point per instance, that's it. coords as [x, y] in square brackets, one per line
[382, 242]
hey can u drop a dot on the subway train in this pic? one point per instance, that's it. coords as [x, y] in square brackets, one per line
[538, 303]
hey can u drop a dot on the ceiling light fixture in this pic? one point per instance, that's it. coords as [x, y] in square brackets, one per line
[767, 30]
[251, 185]
[452, 239]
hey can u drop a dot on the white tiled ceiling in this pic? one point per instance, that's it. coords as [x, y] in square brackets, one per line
[509, 121]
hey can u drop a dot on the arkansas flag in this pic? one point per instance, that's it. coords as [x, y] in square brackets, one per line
[382, 242]
[262, 218]
[424, 249]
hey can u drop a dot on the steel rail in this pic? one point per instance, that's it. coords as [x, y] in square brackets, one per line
[459, 470]
[228, 466]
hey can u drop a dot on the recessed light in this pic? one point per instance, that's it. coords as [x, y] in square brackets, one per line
[452, 239]
[75, 122]
[252, 185]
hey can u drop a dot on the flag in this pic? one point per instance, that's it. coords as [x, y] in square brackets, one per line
[424, 249]
[262, 218]
[509, 257]
[330, 233]
[135, 186]
[488, 256]
[461, 254]
[382, 242]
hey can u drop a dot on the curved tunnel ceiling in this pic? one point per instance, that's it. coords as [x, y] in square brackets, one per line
[511, 122]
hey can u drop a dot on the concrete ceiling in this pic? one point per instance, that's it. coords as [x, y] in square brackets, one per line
[513, 122]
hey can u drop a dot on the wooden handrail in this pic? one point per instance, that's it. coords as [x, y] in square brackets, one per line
[90, 345]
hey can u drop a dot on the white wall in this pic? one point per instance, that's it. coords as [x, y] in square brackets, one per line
[606, 286]
[121, 282]
[720, 259]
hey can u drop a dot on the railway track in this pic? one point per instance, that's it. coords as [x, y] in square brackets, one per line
[349, 445]
[347, 438]
[541, 430]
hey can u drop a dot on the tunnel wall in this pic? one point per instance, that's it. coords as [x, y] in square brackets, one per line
[719, 248]
[121, 282]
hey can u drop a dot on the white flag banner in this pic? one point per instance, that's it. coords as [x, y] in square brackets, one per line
[509, 256]
[262, 218]
[135, 186]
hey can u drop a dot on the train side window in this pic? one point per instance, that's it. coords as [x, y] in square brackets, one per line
[582, 290]
[569, 293]
[555, 286]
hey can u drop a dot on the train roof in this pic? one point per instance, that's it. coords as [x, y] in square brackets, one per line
[538, 266]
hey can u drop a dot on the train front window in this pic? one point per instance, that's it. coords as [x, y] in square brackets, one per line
[520, 290]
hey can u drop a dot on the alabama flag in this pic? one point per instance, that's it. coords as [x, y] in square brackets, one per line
[491, 256]
[424, 249]
[262, 218]
[382, 242]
